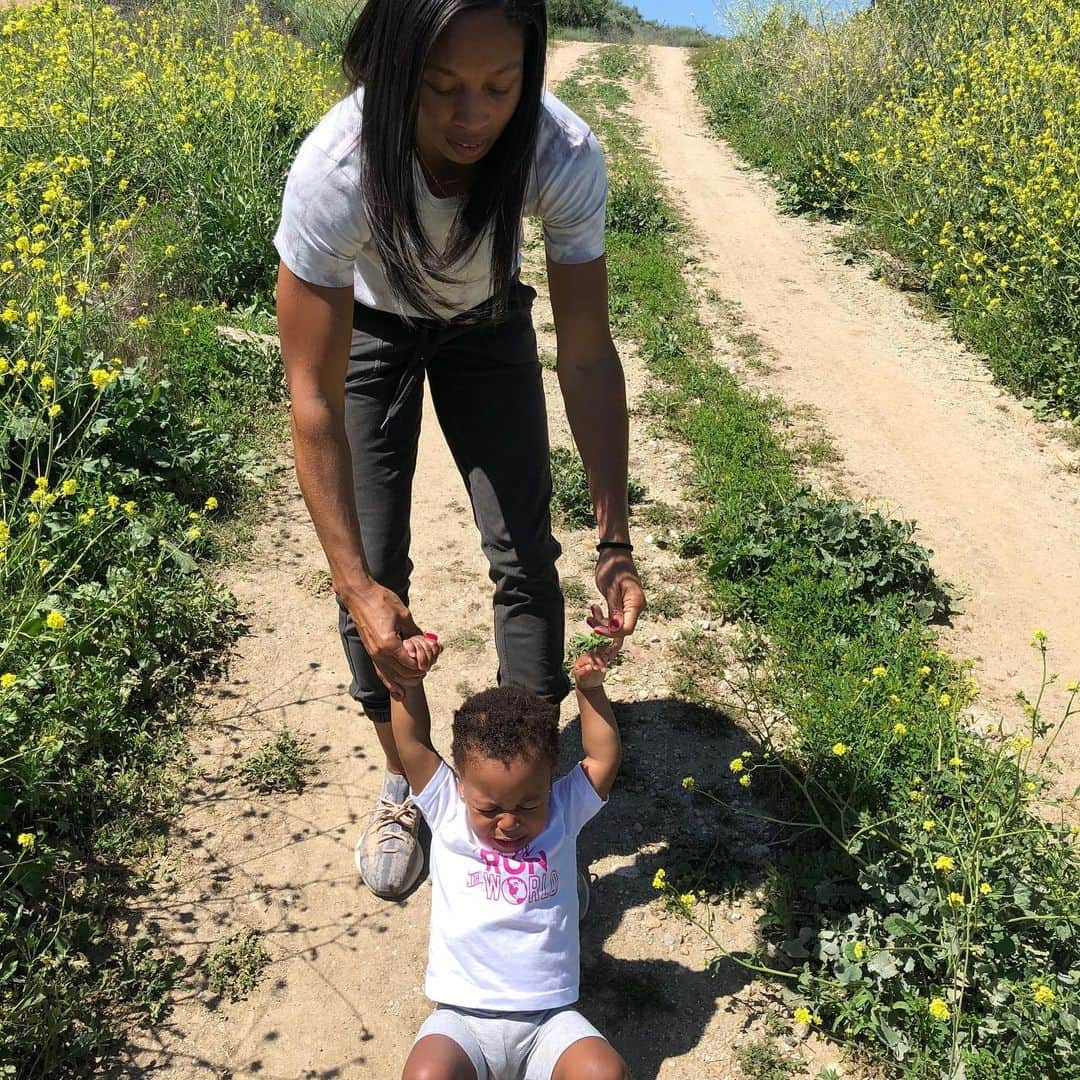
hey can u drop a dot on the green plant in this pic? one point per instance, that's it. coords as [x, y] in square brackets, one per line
[235, 964]
[580, 643]
[763, 1059]
[281, 764]
[570, 497]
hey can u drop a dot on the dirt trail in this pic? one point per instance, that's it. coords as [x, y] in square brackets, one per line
[343, 994]
[919, 423]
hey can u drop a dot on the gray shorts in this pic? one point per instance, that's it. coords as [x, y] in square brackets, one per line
[510, 1045]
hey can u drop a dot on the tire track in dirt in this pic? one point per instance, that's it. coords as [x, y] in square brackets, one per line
[916, 416]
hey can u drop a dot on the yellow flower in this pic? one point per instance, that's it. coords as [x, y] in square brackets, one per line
[7, 680]
[1043, 995]
[985, 888]
[44, 565]
[26, 841]
[659, 880]
[744, 780]
[128, 508]
[688, 781]
[956, 762]
[68, 487]
[1038, 638]
[879, 672]
[944, 699]
[100, 378]
[924, 670]
[899, 728]
[736, 765]
[54, 411]
[858, 950]
[87, 516]
[803, 1015]
[956, 900]
[212, 504]
[944, 863]
[113, 501]
[47, 383]
[840, 749]
[938, 1009]
[55, 620]
[193, 533]
[687, 900]
[928, 825]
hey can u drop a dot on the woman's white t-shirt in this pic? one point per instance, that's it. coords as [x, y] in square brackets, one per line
[504, 928]
[324, 236]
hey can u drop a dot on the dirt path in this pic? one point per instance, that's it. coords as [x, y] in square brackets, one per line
[343, 994]
[915, 415]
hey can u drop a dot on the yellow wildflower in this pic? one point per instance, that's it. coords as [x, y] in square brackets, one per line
[55, 620]
[744, 780]
[840, 749]
[7, 680]
[944, 863]
[956, 900]
[985, 888]
[736, 765]
[688, 781]
[26, 841]
[938, 1009]
[879, 672]
[659, 880]
[928, 825]
[1043, 995]
[899, 728]
[212, 504]
[803, 1015]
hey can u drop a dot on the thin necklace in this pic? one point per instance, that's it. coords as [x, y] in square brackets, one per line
[433, 181]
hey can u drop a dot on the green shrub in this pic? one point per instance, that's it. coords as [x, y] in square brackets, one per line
[570, 498]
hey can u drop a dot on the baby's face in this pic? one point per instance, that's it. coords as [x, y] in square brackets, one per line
[507, 804]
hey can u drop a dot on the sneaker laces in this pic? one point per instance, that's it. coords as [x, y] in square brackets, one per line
[387, 814]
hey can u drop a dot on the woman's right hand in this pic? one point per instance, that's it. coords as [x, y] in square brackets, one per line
[382, 622]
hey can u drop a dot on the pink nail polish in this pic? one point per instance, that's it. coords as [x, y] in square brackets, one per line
[431, 637]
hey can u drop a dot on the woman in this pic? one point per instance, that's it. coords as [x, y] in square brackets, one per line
[399, 245]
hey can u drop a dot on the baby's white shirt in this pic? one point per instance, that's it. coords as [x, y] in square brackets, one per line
[504, 928]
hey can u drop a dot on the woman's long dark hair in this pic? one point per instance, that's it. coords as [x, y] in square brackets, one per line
[386, 52]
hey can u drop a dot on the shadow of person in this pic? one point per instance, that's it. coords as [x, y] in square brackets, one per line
[656, 1004]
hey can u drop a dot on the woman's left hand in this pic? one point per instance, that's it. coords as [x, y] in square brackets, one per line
[619, 584]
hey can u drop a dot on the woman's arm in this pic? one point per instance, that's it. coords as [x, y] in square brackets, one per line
[591, 379]
[315, 326]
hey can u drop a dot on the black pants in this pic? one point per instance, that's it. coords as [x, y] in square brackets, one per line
[489, 397]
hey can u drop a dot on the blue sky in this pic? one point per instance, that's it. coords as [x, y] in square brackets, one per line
[701, 13]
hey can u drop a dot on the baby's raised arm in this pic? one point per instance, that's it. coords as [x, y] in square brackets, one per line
[412, 722]
[599, 731]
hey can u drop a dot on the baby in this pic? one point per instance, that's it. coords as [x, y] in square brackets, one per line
[503, 960]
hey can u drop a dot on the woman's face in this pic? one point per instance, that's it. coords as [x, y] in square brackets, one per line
[471, 87]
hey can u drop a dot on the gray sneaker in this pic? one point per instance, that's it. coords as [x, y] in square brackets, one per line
[388, 856]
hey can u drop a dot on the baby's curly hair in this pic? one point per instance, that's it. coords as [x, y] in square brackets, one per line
[506, 723]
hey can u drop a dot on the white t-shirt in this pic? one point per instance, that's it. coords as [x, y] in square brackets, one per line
[324, 237]
[504, 928]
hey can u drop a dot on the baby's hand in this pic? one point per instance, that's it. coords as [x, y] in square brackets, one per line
[591, 667]
[424, 649]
